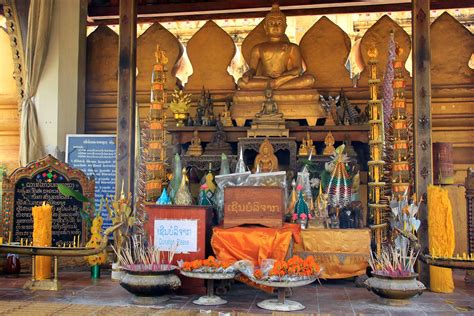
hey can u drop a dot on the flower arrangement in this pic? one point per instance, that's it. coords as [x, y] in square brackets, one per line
[94, 242]
[209, 265]
[181, 102]
[295, 269]
[138, 257]
[301, 211]
[120, 211]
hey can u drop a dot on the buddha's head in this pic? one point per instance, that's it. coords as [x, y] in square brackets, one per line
[275, 22]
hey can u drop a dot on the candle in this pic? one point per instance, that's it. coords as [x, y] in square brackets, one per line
[42, 237]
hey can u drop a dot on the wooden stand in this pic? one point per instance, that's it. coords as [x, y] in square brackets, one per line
[43, 285]
[200, 213]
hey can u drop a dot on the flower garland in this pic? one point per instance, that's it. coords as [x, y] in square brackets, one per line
[209, 265]
[295, 269]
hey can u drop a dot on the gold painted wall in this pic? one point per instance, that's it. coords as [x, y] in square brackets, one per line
[9, 116]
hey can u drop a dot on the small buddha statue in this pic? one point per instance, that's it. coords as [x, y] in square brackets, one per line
[224, 117]
[276, 62]
[307, 146]
[195, 149]
[329, 142]
[266, 161]
[269, 106]
[219, 144]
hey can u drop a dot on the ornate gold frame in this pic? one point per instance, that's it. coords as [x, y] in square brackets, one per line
[47, 162]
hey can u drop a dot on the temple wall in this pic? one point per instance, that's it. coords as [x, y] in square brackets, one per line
[9, 115]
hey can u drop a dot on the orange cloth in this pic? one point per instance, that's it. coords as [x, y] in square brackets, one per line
[254, 243]
[342, 253]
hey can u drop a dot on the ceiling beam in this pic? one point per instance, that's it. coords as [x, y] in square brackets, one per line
[166, 12]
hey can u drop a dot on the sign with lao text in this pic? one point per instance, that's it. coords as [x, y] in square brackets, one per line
[37, 183]
[95, 155]
[171, 234]
[258, 205]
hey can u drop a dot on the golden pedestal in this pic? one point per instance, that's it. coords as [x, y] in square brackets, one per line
[268, 126]
[294, 104]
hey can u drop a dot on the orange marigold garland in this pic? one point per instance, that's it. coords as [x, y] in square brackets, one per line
[209, 265]
[295, 269]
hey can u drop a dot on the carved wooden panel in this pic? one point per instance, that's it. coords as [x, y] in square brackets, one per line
[210, 51]
[451, 47]
[379, 33]
[102, 60]
[325, 47]
[146, 47]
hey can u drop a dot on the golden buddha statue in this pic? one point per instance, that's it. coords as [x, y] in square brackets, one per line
[195, 149]
[329, 142]
[266, 161]
[278, 64]
[276, 61]
[307, 146]
[224, 116]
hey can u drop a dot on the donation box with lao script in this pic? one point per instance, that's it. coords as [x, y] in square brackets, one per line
[258, 205]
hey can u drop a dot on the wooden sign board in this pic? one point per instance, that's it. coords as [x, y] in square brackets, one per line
[259, 205]
[190, 226]
[37, 183]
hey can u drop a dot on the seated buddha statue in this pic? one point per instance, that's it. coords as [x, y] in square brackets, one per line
[276, 62]
[195, 149]
[266, 161]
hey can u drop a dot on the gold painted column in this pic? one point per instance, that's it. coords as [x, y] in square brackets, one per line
[376, 141]
[126, 97]
[422, 117]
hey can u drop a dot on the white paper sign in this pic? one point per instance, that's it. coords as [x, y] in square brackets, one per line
[169, 232]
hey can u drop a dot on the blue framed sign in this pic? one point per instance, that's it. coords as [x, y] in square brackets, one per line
[95, 155]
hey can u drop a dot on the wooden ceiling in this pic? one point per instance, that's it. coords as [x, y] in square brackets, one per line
[107, 11]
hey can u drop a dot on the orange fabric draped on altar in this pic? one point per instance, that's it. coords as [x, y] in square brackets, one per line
[254, 243]
[343, 253]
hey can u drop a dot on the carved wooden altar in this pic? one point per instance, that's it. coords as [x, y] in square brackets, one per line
[279, 143]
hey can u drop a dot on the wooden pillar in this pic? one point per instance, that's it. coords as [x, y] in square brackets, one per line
[126, 97]
[422, 117]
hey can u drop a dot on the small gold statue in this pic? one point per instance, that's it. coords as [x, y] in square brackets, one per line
[269, 121]
[329, 142]
[225, 116]
[195, 149]
[266, 161]
[276, 61]
[307, 146]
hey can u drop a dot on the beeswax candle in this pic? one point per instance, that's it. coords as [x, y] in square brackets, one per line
[42, 237]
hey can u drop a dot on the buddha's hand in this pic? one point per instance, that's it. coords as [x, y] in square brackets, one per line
[278, 82]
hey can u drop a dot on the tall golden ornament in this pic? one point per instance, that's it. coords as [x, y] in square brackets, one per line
[401, 151]
[376, 139]
[154, 143]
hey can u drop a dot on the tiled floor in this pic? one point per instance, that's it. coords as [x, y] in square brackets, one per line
[82, 296]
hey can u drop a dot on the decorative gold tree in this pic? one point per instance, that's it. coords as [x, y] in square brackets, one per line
[401, 151]
[153, 144]
[376, 163]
